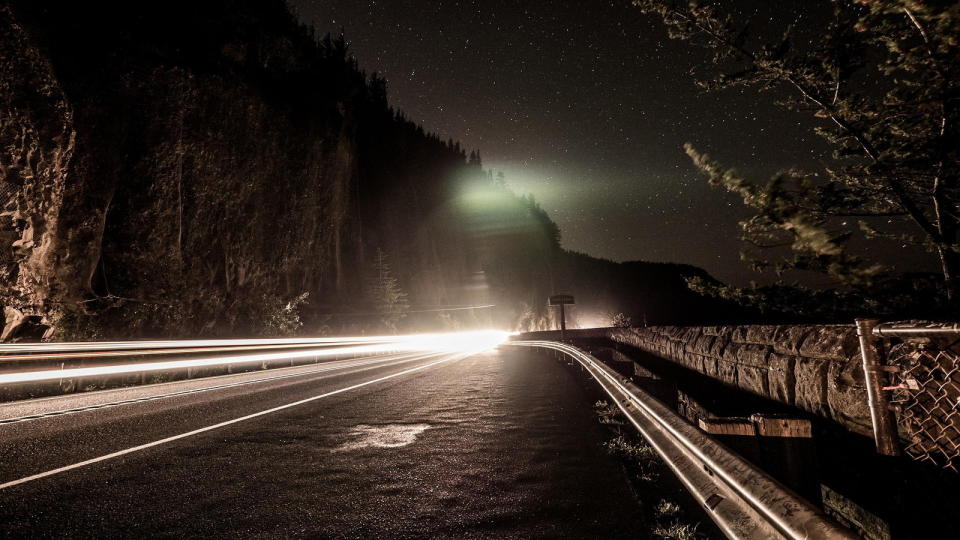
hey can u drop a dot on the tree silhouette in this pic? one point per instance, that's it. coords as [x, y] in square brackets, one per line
[883, 75]
[384, 292]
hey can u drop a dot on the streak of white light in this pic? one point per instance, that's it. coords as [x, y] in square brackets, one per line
[361, 365]
[127, 345]
[475, 341]
[36, 356]
[467, 342]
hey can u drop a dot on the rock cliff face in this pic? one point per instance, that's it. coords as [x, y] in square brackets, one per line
[191, 168]
[39, 140]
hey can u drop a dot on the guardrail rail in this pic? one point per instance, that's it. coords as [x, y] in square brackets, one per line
[743, 500]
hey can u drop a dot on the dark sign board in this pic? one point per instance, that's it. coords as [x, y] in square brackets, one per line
[560, 299]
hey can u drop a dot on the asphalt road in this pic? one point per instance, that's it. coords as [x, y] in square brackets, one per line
[500, 444]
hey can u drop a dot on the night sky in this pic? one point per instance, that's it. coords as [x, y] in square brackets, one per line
[586, 105]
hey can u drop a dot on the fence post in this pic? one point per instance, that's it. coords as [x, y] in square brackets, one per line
[884, 428]
[563, 324]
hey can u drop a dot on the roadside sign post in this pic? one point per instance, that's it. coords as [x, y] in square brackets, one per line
[562, 300]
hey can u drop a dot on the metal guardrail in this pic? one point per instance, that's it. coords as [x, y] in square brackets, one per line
[744, 501]
[921, 365]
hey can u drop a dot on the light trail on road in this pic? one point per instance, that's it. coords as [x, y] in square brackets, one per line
[445, 358]
[69, 373]
[475, 341]
[83, 346]
[377, 352]
[109, 353]
[363, 364]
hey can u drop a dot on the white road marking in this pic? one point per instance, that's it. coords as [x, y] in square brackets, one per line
[159, 442]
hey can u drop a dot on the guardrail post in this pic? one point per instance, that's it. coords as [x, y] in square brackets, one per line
[884, 426]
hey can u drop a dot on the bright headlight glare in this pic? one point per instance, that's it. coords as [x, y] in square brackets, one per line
[467, 342]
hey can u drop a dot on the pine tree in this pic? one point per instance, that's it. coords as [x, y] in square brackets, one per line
[384, 292]
[885, 78]
[620, 320]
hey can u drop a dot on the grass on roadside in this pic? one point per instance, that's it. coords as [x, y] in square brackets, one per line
[647, 466]
[676, 531]
[609, 414]
[667, 508]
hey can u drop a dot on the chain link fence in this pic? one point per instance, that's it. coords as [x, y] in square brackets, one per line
[8, 192]
[924, 365]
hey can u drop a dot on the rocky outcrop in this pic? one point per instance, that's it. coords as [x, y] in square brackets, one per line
[38, 143]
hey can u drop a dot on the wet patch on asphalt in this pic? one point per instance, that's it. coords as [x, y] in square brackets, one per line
[383, 436]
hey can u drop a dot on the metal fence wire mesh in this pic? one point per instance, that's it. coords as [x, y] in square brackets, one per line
[927, 399]
[8, 191]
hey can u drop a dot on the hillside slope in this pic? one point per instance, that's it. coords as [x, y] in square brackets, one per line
[181, 168]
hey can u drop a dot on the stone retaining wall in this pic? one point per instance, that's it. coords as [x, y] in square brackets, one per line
[814, 368]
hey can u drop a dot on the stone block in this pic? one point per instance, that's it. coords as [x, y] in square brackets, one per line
[700, 344]
[830, 342]
[811, 385]
[787, 338]
[745, 353]
[689, 360]
[710, 366]
[781, 380]
[689, 335]
[760, 334]
[847, 396]
[673, 332]
[675, 350]
[727, 371]
[753, 379]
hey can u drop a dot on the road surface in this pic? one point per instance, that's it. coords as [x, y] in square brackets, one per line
[499, 444]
